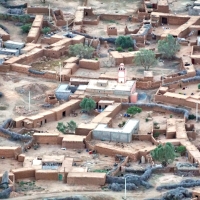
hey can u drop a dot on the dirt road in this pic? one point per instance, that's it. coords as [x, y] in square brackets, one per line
[135, 195]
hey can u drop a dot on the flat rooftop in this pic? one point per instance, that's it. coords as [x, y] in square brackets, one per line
[73, 138]
[126, 129]
[112, 85]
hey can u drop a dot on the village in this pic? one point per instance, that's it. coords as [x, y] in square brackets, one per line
[100, 100]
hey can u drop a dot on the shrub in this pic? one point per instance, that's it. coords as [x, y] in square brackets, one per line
[155, 123]
[156, 134]
[82, 51]
[124, 41]
[123, 123]
[45, 30]
[130, 49]
[168, 47]
[146, 119]
[198, 86]
[171, 116]
[133, 110]
[164, 153]
[191, 116]
[181, 149]
[145, 58]
[119, 49]
[26, 28]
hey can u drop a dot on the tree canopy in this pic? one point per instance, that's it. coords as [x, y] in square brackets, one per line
[81, 51]
[69, 127]
[164, 153]
[88, 104]
[168, 47]
[26, 28]
[133, 110]
[145, 58]
[46, 30]
[124, 41]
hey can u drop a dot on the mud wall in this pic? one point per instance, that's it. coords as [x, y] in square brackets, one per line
[22, 173]
[89, 64]
[46, 138]
[88, 178]
[73, 144]
[10, 152]
[46, 175]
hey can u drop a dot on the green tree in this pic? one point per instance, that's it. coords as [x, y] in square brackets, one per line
[181, 149]
[133, 110]
[26, 28]
[145, 58]
[124, 41]
[164, 153]
[61, 127]
[88, 104]
[81, 50]
[71, 126]
[46, 30]
[168, 47]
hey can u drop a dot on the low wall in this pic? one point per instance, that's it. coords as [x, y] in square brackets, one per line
[114, 173]
[113, 17]
[158, 108]
[46, 175]
[89, 64]
[22, 173]
[10, 152]
[73, 145]
[46, 138]
[88, 178]
[20, 68]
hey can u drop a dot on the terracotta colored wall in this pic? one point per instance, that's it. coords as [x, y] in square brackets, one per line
[91, 22]
[112, 17]
[85, 180]
[111, 30]
[113, 152]
[5, 68]
[73, 145]
[38, 10]
[47, 139]
[22, 173]
[10, 153]
[81, 131]
[35, 37]
[20, 68]
[173, 20]
[46, 175]
[89, 64]
[121, 165]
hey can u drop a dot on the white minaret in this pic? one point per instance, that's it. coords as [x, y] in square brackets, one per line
[122, 74]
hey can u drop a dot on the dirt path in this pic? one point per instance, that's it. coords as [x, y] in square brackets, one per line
[93, 195]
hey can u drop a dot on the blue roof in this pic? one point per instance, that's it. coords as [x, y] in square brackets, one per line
[62, 88]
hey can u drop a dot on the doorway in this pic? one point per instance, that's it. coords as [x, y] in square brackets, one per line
[64, 114]
[164, 20]
[45, 121]
[198, 32]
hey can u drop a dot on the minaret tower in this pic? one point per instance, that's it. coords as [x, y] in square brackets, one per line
[122, 74]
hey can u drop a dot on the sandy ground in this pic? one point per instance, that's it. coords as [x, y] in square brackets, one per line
[191, 90]
[132, 71]
[12, 98]
[114, 6]
[145, 127]
[65, 190]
